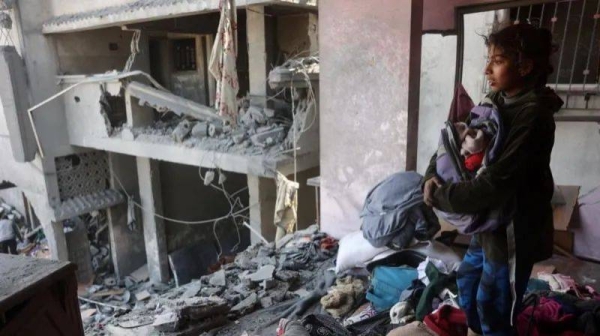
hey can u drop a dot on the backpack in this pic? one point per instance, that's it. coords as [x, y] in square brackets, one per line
[450, 168]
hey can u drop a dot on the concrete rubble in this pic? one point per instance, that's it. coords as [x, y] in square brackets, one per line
[259, 277]
[259, 130]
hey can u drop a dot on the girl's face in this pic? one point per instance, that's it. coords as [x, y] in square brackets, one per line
[502, 73]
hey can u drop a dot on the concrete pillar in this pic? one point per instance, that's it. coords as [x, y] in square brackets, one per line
[126, 244]
[262, 192]
[370, 71]
[257, 51]
[154, 227]
[57, 241]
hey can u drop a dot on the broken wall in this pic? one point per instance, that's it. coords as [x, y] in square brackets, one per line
[185, 197]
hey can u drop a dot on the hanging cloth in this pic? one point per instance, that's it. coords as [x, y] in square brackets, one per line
[286, 205]
[222, 64]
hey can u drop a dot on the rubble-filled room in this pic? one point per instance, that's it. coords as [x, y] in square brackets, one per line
[300, 167]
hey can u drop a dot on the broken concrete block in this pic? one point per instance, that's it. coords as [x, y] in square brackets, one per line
[268, 284]
[276, 134]
[210, 291]
[289, 277]
[199, 312]
[215, 130]
[192, 290]
[182, 130]
[143, 295]
[239, 136]
[200, 130]
[263, 273]
[266, 302]
[167, 322]
[218, 279]
[141, 274]
[246, 305]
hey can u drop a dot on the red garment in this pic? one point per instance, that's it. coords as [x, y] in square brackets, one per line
[548, 319]
[447, 321]
[461, 105]
[474, 161]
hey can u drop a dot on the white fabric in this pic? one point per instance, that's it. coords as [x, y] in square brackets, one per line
[440, 265]
[7, 231]
[432, 249]
[355, 251]
[286, 206]
[222, 64]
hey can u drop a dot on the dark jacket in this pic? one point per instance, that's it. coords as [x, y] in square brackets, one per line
[522, 173]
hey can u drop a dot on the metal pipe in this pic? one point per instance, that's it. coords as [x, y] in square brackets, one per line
[518, 20]
[554, 17]
[529, 16]
[542, 15]
[593, 39]
[562, 48]
[577, 44]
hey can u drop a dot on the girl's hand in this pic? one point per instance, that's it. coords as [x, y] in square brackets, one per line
[429, 189]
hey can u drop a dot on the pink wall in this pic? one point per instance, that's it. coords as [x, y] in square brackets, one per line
[369, 84]
[438, 15]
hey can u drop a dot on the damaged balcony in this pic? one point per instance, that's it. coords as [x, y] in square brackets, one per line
[133, 118]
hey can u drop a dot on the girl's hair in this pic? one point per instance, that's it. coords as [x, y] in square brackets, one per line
[524, 41]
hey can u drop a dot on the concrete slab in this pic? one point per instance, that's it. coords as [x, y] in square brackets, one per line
[148, 10]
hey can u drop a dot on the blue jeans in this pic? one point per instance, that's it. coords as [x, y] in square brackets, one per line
[484, 289]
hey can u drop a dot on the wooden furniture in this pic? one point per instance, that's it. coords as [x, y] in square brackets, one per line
[38, 297]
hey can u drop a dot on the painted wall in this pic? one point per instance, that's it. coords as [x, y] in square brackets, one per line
[370, 61]
[91, 52]
[439, 15]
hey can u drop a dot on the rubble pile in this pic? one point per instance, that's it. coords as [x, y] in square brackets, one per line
[257, 129]
[259, 277]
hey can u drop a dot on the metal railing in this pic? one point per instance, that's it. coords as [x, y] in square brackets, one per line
[574, 25]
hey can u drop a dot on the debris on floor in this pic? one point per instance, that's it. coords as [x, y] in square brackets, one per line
[260, 277]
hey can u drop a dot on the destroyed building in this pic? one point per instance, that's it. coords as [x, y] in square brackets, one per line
[132, 127]
[121, 147]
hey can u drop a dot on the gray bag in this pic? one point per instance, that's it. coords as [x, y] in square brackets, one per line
[394, 212]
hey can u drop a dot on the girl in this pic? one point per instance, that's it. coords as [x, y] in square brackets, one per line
[517, 71]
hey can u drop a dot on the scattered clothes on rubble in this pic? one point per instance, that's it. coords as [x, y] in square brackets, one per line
[447, 321]
[342, 297]
[585, 311]
[394, 212]
[355, 251]
[545, 317]
[324, 325]
[291, 328]
[365, 312]
[387, 284]
[437, 282]
[413, 329]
